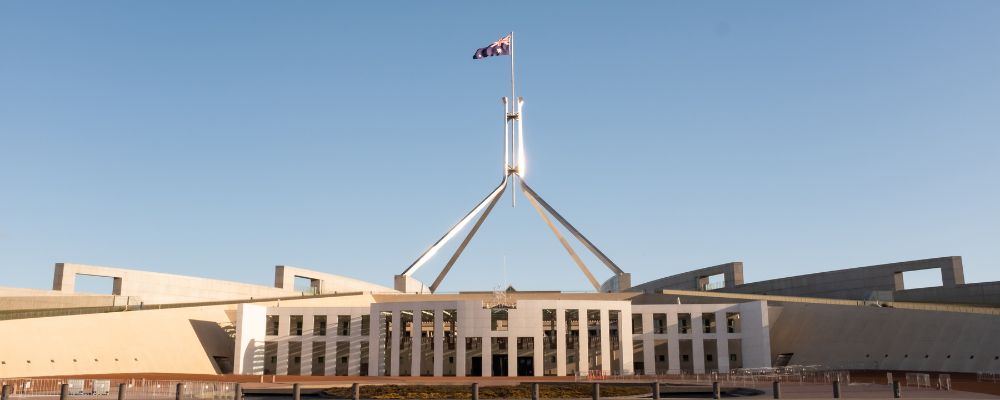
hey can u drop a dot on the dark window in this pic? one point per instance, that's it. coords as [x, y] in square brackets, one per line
[272, 325]
[319, 325]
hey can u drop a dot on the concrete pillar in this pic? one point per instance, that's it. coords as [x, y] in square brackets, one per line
[584, 341]
[397, 333]
[656, 390]
[722, 343]
[475, 391]
[438, 342]
[560, 342]
[296, 392]
[534, 391]
[673, 343]
[776, 389]
[460, 354]
[897, 391]
[625, 338]
[238, 392]
[179, 392]
[5, 392]
[121, 391]
[538, 355]
[605, 334]
[697, 343]
[595, 391]
[487, 355]
[416, 342]
[284, 334]
[354, 359]
[355, 391]
[836, 389]
[511, 353]
[64, 392]
[716, 391]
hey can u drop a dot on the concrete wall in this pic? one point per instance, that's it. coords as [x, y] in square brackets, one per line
[854, 283]
[985, 293]
[695, 280]
[158, 288]
[885, 338]
[170, 341]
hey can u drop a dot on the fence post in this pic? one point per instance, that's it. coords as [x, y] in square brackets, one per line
[355, 391]
[121, 391]
[534, 391]
[716, 391]
[897, 392]
[475, 391]
[180, 391]
[776, 388]
[64, 391]
[238, 392]
[656, 390]
[296, 392]
[836, 389]
[595, 392]
[4, 392]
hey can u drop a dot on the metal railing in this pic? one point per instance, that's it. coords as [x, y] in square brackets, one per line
[108, 388]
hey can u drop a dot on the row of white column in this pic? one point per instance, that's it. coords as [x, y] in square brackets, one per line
[331, 340]
[673, 338]
[376, 355]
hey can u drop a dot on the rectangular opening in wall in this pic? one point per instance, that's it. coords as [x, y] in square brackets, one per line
[294, 358]
[319, 325]
[639, 358]
[406, 342]
[711, 349]
[271, 329]
[735, 353]
[94, 284]
[295, 325]
[304, 285]
[922, 278]
[636, 324]
[712, 282]
[661, 358]
[318, 358]
[549, 342]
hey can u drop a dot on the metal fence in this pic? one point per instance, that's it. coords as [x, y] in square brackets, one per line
[108, 388]
[743, 376]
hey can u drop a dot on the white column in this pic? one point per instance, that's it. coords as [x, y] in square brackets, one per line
[397, 332]
[284, 333]
[511, 352]
[354, 359]
[584, 341]
[722, 351]
[248, 357]
[374, 342]
[560, 342]
[648, 344]
[605, 335]
[416, 342]
[460, 352]
[305, 367]
[673, 344]
[538, 355]
[438, 342]
[487, 357]
[698, 343]
[625, 338]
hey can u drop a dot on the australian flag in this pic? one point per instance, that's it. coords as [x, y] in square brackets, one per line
[498, 48]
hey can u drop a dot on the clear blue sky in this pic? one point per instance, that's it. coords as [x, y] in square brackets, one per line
[219, 139]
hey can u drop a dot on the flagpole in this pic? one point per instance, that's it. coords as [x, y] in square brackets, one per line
[516, 111]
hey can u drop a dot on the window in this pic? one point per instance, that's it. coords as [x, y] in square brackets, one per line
[636, 324]
[684, 323]
[684, 357]
[344, 325]
[319, 325]
[659, 323]
[708, 357]
[733, 322]
[499, 320]
[296, 325]
[708, 320]
[272, 325]
[365, 325]
[732, 357]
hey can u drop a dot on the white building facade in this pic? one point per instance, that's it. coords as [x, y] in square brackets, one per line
[467, 335]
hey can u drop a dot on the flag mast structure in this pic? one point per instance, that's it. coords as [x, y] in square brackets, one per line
[513, 172]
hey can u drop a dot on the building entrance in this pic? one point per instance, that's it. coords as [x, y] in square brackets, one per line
[499, 365]
[525, 366]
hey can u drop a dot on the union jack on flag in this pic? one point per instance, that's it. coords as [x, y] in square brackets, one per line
[498, 48]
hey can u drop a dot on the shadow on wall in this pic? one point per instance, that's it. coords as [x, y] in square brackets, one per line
[218, 342]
